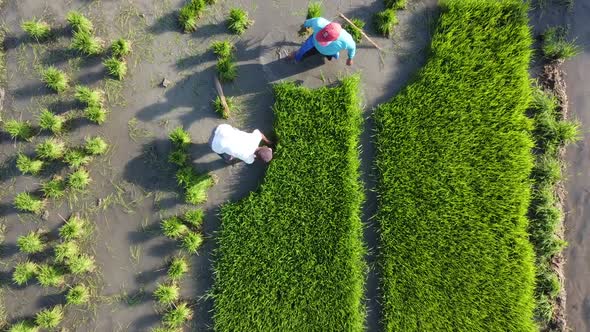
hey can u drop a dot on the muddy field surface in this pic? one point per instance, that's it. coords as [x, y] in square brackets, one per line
[133, 186]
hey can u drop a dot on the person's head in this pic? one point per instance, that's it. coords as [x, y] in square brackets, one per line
[264, 153]
[328, 34]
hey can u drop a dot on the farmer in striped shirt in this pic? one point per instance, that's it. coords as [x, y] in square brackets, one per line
[328, 39]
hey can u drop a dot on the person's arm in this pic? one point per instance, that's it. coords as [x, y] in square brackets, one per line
[310, 23]
[266, 140]
[351, 48]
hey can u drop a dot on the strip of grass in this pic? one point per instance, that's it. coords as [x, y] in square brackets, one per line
[454, 157]
[290, 255]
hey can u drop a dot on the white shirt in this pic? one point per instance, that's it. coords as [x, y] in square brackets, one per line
[236, 143]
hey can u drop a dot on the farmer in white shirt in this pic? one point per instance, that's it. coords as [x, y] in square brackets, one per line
[231, 143]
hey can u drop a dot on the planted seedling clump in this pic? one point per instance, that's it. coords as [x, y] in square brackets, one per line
[180, 137]
[51, 149]
[191, 242]
[227, 70]
[96, 114]
[36, 29]
[50, 318]
[555, 45]
[88, 96]
[121, 48]
[27, 165]
[167, 294]
[196, 192]
[223, 48]
[177, 316]
[79, 22]
[173, 227]
[79, 180]
[74, 228]
[355, 32]
[179, 157]
[49, 276]
[65, 250]
[194, 217]
[81, 264]
[178, 268]
[239, 21]
[314, 9]
[51, 122]
[96, 146]
[26, 202]
[189, 14]
[220, 109]
[79, 294]
[396, 4]
[18, 129]
[54, 188]
[116, 68]
[23, 272]
[30, 243]
[24, 326]
[55, 79]
[85, 43]
[77, 158]
[386, 21]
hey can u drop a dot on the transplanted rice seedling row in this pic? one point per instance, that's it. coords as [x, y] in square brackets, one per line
[290, 256]
[454, 158]
[386, 20]
[546, 217]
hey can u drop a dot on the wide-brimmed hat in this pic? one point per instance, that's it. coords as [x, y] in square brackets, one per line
[328, 34]
[264, 153]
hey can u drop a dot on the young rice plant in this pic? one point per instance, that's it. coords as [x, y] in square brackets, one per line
[96, 114]
[314, 9]
[27, 203]
[79, 179]
[79, 294]
[74, 228]
[65, 250]
[50, 121]
[81, 264]
[85, 43]
[23, 272]
[178, 268]
[77, 158]
[556, 46]
[239, 21]
[24, 326]
[167, 293]
[50, 318]
[18, 129]
[88, 96]
[54, 188]
[355, 32]
[116, 68]
[178, 315]
[189, 14]
[55, 79]
[50, 276]
[191, 242]
[28, 166]
[36, 29]
[386, 21]
[121, 48]
[51, 149]
[79, 22]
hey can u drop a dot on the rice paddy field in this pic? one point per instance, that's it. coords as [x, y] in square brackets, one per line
[437, 184]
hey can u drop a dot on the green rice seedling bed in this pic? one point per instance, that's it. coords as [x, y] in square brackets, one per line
[290, 256]
[454, 158]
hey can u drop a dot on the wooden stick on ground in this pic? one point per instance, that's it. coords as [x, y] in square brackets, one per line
[221, 96]
[361, 30]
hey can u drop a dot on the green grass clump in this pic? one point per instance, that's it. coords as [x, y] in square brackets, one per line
[54, 188]
[36, 29]
[178, 315]
[310, 234]
[49, 318]
[223, 48]
[314, 9]
[219, 109]
[51, 122]
[173, 227]
[30, 243]
[81, 264]
[96, 114]
[180, 137]
[555, 45]
[191, 242]
[50, 276]
[55, 79]
[194, 217]
[23, 272]
[121, 48]
[355, 32]
[28, 166]
[167, 293]
[88, 96]
[454, 159]
[178, 268]
[226, 68]
[51, 149]
[385, 22]
[189, 14]
[95, 146]
[79, 22]
[196, 192]
[238, 21]
[24, 326]
[178, 157]
[18, 129]
[74, 228]
[27, 203]
[79, 179]
[116, 68]
[65, 250]
[396, 4]
[85, 43]
[77, 158]
[79, 294]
